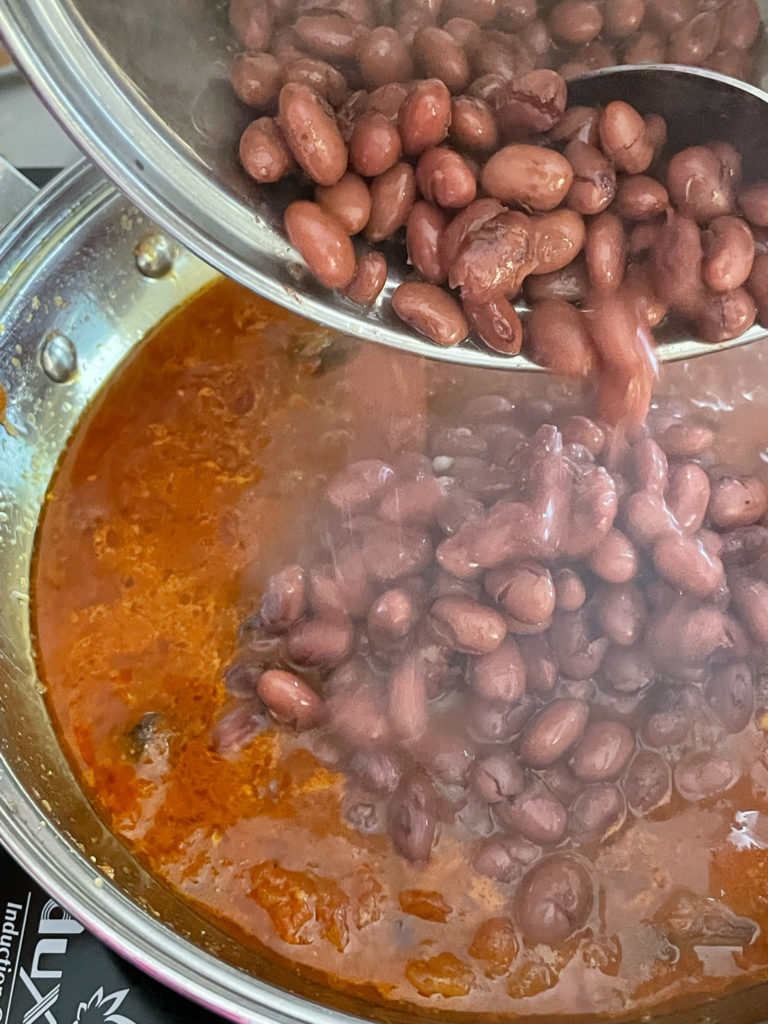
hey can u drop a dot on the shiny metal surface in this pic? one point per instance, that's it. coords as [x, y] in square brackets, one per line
[143, 87]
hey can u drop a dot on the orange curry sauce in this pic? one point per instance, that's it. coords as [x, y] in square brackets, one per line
[196, 474]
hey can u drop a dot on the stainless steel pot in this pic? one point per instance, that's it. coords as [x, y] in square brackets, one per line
[83, 277]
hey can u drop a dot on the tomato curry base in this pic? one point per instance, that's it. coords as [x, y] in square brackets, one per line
[194, 476]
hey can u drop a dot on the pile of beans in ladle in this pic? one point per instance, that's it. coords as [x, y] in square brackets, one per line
[530, 632]
[496, 189]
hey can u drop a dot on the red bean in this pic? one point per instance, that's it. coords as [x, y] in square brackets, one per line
[575, 21]
[557, 239]
[497, 777]
[263, 152]
[284, 599]
[740, 24]
[553, 731]
[326, 80]
[466, 626]
[368, 280]
[726, 315]
[529, 105]
[319, 641]
[696, 40]
[640, 197]
[495, 322]
[698, 185]
[392, 196]
[432, 312]
[310, 130]
[500, 675]
[388, 100]
[322, 242]
[597, 812]
[603, 752]
[750, 600]
[688, 496]
[392, 551]
[423, 234]
[605, 249]
[704, 774]
[557, 338]
[328, 34]
[255, 78]
[444, 178]
[536, 815]
[729, 252]
[391, 616]
[494, 258]
[594, 181]
[570, 283]
[383, 57]
[615, 558]
[554, 900]
[412, 818]
[753, 202]
[348, 201]
[623, 17]
[441, 56]
[528, 175]
[757, 284]
[623, 138]
[473, 126]
[425, 116]
[408, 699]
[374, 145]
[737, 501]
[525, 591]
[648, 782]
[577, 123]
[645, 48]
[358, 485]
[252, 23]
[290, 700]
[577, 649]
[683, 561]
[464, 224]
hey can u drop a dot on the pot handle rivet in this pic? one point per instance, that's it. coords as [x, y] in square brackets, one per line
[58, 358]
[154, 255]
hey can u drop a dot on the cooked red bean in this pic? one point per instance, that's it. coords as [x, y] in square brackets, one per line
[356, 487]
[603, 752]
[704, 774]
[374, 145]
[627, 669]
[531, 176]
[391, 616]
[496, 722]
[263, 152]
[412, 818]
[688, 631]
[445, 178]
[594, 178]
[645, 48]
[387, 100]
[495, 258]
[529, 105]
[348, 202]
[536, 815]
[553, 731]
[497, 777]
[557, 238]
[640, 197]
[623, 138]
[328, 34]
[467, 626]
[252, 23]
[693, 42]
[648, 782]
[557, 338]
[377, 770]
[368, 280]
[571, 283]
[392, 196]
[753, 202]
[729, 252]
[615, 558]
[596, 813]
[441, 56]
[750, 600]
[686, 439]
[290, 700]
[464, 224]
[605, 249]
[235, 729]
[322, 242]
[683, 561]
[577, 650]
[740, 24]
[392, 551]
[502, 54]
[412, 501]
[725, 316]
[757, 284]
[698, 185]
[473, 126]
[541, 673]
[623, 17]
[554, 899]
[677, 262]
[431, 311]
[688, 496]
[731, 695]
[326, 80]
[495, 321]
[505, 858]
[383, 56]
[284, 599]
[737, 501]
[256, 78]
[570, 593]
[425, 116]
[408, 698]
[575, 21]
[464, 30]
[526, 590]
[500, 675]
[319, 641]
[309, 128]
[447, 755]
[622, 613]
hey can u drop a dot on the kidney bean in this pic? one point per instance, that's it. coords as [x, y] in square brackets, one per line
[500, 675]
[603, 752]
[495, 322]
[737, 501]
[391, 617]
[569, 284]
[731, 695]
[531, 176]
[554, 899]
[670, 14]
[393, 551]
[495, 721]
[640, 197]
[357, 486]
[502, 54]
[392, 196]
[575, 21]
[688, 496]
[536, 815]
[466, 31]
[374, 145]
[431, 311]
[412, 501]
[466, 626]
[328, 34]
[553, 731]
[725, 316]
[644, 47]
[693, 42]
[423, 233]
[320, 641]
[524, 590]
[556, 238]
[347, 115]
[599, 811]
[322, 242]
[757, 284]
[378, 771]
[596, 55]
[447, 755]
[356, 709]
[284, 599]
[514, 15]
[368, 280]
[348, 202]
[627, 669]
[594, 179]
[677, 263]
[540, 668]
[309, 128]
[615, 558]
[472, 126]
[290, 700]
[621, 613]
[570, 593]
[687, 632]
[577, 650]
[605, 249]
[441, 57]
[318, 75]
[623, 17]
[256, 78]
[704, 774]
[639, 287]
[623, 138]
[698, 185]
[504, 858]
[464, 224]
[740, 24]
[649, 465]
[252, 23]
[530, 104]
[729, 252]
[647, 782]
[494, 258]
[536, 38]
[750, 600]
[670, 713]
[497, 777]
[556, 337]
[263, 152]
[387, 100]
[425, 116]
[684, 562]
[445, 178]
[408, 699]
[412, 818]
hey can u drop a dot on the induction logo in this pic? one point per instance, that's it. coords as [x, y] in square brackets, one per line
[100, 1009]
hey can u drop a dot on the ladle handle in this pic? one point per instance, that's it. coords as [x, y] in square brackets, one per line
[16, 192]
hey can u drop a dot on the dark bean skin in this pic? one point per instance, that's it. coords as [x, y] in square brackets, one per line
[412, 818]
[622, 613]
[603, 752]
[326, 80]
[425, 116]
[440, 56]
[445, 178]
[423, 233]
[473, 126]
[529, 105]
[504, 858]
[596, 813]
[374, 145]
[627, 669]
[290, 700]
[495, 322]
[432, 312]
[383, 57]
[284, 599]
[310, 130]
[536, 815]
[348, 201]
[256, 78]
[322, 242]
[703, 775]
[392, 196]
[368, 280]
[623, 138]
[556, 337]
[466, 626]
[670, 713]
[737, 501]
[553, 731]
[500, 675]
[263, 152]
[647, 782]
[497, 777]
[731, 695]
[594, 178]
[577, 650]
[554, 900]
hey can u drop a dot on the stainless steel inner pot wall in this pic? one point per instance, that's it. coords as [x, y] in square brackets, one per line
[83, 277]
[144, 89]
